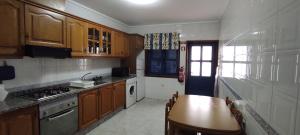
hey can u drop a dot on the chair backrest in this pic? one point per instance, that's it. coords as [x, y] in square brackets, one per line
[167, 111]
[169, 106]
[228, 101]
[240, 119]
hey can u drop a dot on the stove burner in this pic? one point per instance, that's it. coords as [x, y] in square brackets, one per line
[41, 93]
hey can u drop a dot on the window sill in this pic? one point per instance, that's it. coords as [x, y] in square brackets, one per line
[162, 76]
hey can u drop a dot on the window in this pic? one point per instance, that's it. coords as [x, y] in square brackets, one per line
[162, 63]
[201, 59]
[234, 62]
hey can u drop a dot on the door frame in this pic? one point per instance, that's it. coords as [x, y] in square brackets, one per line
[215, 51]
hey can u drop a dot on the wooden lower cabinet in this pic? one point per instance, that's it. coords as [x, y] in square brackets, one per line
[119, 94]
[106, 100]
[20, 122]
[88, 108]
[99, 103]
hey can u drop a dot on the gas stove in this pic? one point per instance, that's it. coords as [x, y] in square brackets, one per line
[45, 93]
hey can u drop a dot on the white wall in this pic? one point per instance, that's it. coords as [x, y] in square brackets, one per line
[266, 35]
[163, 88]
[82, 11]
[206, 30]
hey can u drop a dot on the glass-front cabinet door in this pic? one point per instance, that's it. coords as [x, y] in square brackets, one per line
[94, 42]
[106, 41]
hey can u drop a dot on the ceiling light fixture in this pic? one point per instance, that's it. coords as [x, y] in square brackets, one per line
[142, 2]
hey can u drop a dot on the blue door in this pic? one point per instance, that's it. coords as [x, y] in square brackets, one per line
[202, 58]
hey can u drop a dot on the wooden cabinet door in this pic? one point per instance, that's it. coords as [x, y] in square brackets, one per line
[2, 127]
[20, 122]
[119, 95]
[126, 46]
[44, 28]
[118, 44]
[11, 27]
[106, 100]
[88, 108]
[77, 36]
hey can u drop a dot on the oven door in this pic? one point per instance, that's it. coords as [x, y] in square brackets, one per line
[63, 123]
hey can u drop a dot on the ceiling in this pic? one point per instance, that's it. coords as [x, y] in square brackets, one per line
[163, 11]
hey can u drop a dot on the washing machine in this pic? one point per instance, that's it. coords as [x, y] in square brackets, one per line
[131, 91]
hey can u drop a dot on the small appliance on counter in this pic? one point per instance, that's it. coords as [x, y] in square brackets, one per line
[6, 73]
[120, 72]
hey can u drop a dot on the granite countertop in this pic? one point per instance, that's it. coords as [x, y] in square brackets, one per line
[15, 103]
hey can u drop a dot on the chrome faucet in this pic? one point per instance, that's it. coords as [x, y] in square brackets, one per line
[83, 77]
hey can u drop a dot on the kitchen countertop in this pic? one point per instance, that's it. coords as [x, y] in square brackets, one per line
[15, 103]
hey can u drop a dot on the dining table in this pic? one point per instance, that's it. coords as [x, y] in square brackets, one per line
[202, 114]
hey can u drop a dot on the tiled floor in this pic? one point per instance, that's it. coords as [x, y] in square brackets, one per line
[144, 118]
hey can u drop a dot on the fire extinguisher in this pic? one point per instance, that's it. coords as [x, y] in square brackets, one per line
[181, 74]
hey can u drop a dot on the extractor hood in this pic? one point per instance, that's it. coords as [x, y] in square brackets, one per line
[51, 52]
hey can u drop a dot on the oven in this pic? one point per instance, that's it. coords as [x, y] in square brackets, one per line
[59, 117]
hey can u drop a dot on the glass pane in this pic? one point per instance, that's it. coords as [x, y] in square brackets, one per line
[228, 53]
[227, 70]
[171, 67]
[240, 70]
[156, 66]
[241, 53]
[207, 53]
[206, 69]
[172, 54]
[196, 52]
[156, 54]
[195, 69]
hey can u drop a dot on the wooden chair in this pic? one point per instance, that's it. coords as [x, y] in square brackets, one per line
[168, 109]
[228, 101]
[240, 119]
[237, 115]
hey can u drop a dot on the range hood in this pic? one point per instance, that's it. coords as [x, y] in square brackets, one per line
[51, 52]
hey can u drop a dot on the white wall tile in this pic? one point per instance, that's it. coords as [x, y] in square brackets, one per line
[31, 71]
[272, 67]
[252, 127]
[283, 113]
[297, 129]
[288, 36]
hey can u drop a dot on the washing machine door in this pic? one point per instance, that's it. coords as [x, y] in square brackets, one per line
[132, 91]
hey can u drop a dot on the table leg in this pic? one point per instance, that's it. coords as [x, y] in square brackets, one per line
[171, 129]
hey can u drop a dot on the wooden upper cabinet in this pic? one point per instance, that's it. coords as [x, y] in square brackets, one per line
[77, 37]
[56, 4]
[88, 108]
[44, 28]
[20, 122]
[136, 46]
[118, 47]
[126, 45]
[11, 28]
[119, 94]
[106, 100]
[107, 41]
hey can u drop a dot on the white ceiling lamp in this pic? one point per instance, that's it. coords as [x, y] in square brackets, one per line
[142, 2]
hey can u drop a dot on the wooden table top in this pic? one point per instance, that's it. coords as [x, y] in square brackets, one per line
[204, 114]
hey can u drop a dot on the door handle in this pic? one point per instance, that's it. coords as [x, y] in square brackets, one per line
[59, 116]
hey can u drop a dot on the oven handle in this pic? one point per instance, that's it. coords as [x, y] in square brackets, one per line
[62, 115]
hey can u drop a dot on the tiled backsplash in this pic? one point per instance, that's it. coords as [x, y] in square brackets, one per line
[31, 71]
[259, 59]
